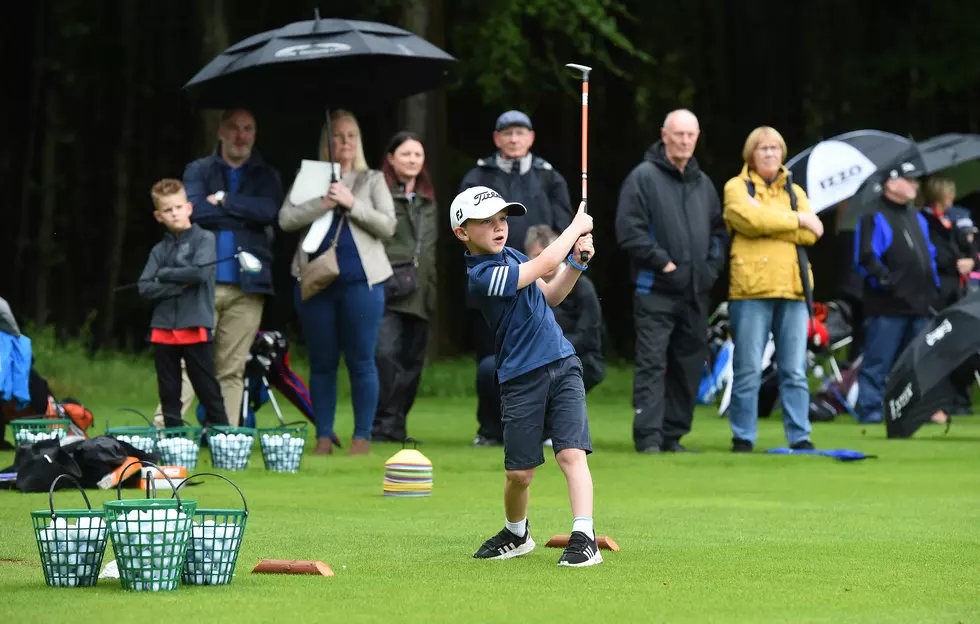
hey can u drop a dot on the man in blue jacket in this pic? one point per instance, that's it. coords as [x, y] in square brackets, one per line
[892, 251]
[237, 196]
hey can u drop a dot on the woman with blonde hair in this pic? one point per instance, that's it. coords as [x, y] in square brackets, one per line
[954, 254]
[768, 216]
[339, 293]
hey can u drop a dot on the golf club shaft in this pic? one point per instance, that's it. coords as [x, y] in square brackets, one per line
[585, 139]
[196, 266]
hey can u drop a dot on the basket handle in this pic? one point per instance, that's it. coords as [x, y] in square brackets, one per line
[77, 484]
[180, 505]
[130, 409]
[214, 474]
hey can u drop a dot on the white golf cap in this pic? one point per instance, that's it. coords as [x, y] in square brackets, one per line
[480, 202]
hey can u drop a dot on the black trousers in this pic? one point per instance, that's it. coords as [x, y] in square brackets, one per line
[199, 359]
[400, 357]
[671, 345]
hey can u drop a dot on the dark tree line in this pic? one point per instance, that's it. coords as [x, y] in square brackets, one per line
[93, 114]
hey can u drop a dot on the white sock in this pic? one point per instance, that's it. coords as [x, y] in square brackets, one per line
[584, 525]
[518, 528]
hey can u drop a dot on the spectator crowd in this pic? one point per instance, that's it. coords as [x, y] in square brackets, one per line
[367, 289]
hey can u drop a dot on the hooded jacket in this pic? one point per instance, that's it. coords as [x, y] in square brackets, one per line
[666, 216]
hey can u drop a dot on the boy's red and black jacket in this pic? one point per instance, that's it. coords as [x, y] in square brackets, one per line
[898, 261]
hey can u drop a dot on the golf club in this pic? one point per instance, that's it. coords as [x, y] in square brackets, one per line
[584, 69]
[246, 262]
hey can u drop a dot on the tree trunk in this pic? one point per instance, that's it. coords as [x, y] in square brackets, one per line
[415, 18]
[122, 165]
[50, 181]
[216, 40]
[27, 184]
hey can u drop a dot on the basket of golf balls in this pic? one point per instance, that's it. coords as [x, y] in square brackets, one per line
[31, 430]
[71, 542]
[179, 446]
[282, 447]
[231, 447]
[149, 537]
[141, 437]
[215, 539]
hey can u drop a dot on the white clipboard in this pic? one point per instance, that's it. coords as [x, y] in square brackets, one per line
[312, 182]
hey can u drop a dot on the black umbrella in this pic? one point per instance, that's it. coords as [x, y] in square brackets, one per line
[950, 339]
[319, 64]
[957, 156]
[832, 170]
[952, 155]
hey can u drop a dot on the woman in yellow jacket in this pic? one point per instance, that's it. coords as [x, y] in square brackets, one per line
[766, 293]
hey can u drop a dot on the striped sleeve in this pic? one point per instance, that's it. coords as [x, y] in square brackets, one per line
[494, 279]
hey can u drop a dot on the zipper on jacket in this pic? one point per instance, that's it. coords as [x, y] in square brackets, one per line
[919, 252]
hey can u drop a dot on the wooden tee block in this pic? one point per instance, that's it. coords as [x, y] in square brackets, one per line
[292, 566]
[603, 541]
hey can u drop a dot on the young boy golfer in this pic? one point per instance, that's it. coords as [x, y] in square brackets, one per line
[541, 389]
[182, 291]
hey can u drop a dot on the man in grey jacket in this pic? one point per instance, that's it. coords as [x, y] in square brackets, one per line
[179, 278]
[669, 221]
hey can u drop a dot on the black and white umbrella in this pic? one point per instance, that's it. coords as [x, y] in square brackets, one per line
[320, 64]
[950, 340]
[832, 170]
[956, 156]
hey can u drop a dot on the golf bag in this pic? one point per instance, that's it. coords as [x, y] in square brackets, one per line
[268, 367]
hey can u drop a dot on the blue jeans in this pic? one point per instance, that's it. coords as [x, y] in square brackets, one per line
[752, 321]
[343, 318]
[885, 337]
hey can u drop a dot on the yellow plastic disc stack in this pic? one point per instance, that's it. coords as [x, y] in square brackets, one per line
[408, 473]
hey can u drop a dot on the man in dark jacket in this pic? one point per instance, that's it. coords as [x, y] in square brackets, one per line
[669, 221]
[894, 254]
[520, 176]
[237, 196]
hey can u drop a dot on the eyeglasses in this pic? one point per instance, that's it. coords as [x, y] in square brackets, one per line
[769, 148]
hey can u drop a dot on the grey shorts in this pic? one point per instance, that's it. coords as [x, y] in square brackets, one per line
[547, 402]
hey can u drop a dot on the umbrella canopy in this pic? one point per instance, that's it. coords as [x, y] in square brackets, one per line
[957, 156]
[952, 155]
[321, 63]
[952, 338]
[832, 170]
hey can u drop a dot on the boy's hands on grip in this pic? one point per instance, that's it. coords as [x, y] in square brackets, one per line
[583, 244]
[582, 223]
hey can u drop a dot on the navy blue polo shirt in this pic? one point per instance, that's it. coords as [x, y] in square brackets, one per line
[526, 333]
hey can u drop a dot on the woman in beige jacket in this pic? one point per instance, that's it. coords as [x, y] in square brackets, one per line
[345, 316]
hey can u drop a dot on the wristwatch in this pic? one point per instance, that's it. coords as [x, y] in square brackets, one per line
[219, 196]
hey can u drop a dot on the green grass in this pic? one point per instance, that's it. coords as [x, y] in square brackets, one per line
[705, 538]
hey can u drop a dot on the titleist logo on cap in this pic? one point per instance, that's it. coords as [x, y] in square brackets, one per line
[479, 197]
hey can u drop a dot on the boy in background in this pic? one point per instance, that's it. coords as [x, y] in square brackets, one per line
[542, 394]
[179, 278]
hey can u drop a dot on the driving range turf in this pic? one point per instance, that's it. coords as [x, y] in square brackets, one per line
[712, 537]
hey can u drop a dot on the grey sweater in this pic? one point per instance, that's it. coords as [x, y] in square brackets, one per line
[181, 290]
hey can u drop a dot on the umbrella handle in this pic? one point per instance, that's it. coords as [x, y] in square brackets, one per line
[329, 137]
